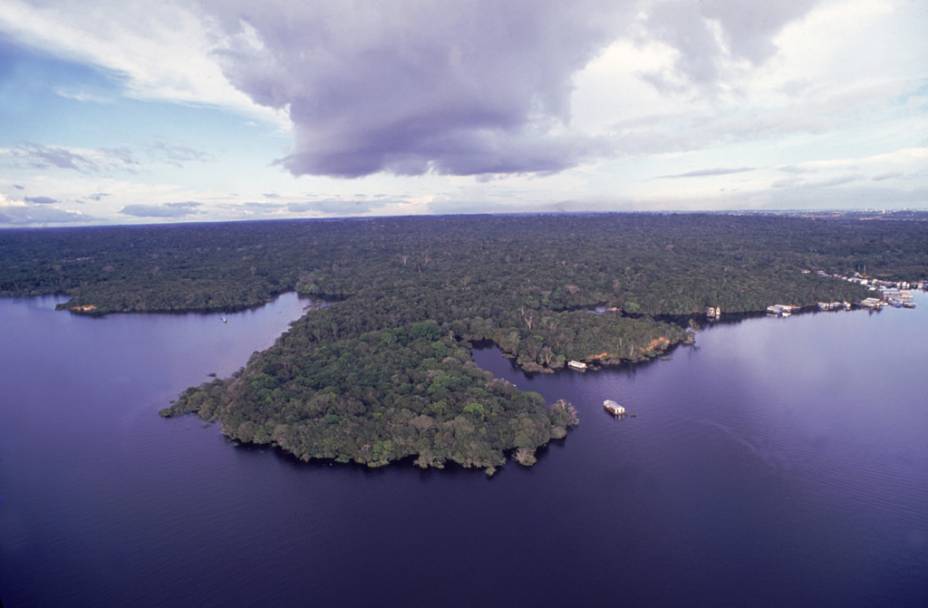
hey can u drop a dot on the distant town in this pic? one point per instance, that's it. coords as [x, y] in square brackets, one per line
[897, 294]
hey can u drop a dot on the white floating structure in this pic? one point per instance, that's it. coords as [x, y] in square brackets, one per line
[614, 408]
[579, 366]
[781, 310]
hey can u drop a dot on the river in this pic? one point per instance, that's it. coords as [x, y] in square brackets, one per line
[781, 462]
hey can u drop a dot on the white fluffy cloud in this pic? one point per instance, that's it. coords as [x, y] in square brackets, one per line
[163, 50]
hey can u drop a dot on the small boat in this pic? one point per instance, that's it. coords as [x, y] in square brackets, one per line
[579, 366]
[614, 408]
[223, 319]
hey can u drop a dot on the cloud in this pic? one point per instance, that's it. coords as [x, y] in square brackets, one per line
[40, 200]
[121, 155]
[167, 210]
[888, 165]
[25, 215]
[825, 196]
[548, 107]
[337, 206]
[834, 181]
[162, 51]
[100, 160]
[477, 88]
[884, 176]
[796, 169]
[176, 155]
[83, 160]
[98, 196]
[707, 172]
[257, 207]
[710, 35]
[38, 156]
[82, 95]
[410, 88]
[19, 186]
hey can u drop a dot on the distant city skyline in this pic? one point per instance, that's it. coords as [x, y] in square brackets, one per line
[130, 112]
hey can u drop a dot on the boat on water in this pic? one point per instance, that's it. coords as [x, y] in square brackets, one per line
[223, 319]
[578, 366]
[614, 408]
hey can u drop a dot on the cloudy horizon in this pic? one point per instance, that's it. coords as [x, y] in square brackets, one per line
[137, 113]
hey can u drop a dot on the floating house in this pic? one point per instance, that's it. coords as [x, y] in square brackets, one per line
[614, 408]
[873, 303]
[781, 310]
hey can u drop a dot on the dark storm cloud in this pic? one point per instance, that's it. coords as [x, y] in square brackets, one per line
[465, 88]
[708, 172]
[166, 210]
[412, 87]
[40, 200]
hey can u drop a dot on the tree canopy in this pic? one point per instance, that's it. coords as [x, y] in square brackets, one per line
[384, 372]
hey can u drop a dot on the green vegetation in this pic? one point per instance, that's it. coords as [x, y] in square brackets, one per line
[384, 372]
[379, 397]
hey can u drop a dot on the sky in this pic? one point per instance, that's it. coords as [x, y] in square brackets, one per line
[144, 112]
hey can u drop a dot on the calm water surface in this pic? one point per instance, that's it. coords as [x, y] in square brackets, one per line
[784, 462]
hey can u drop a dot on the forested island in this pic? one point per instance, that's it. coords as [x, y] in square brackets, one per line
[384, 371]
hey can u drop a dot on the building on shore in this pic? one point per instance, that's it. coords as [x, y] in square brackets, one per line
[781, 310]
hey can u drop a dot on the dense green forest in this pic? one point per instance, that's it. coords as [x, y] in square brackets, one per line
[384, 371]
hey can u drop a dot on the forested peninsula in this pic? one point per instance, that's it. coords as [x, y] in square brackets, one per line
[384, 371]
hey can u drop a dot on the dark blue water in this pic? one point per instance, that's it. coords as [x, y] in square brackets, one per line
[782, 463]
